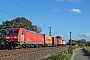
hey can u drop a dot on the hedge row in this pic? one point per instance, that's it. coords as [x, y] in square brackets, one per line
[87, 50]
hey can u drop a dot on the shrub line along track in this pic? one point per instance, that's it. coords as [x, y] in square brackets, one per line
[20, 51]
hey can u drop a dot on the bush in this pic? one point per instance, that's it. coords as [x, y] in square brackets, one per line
[86, 50]
[66, 51]
[65, 55]
[70, 49]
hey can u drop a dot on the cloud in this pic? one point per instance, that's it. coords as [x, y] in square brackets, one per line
[84, 35]
[55, 10]
[75, 10]
[74, 0]
[60, 0]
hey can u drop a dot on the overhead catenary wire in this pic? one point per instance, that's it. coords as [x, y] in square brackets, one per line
[31, 7]
[54, 33]
[7, 13]
[9, 9]
[16, 13]
[25, 9]
[30, 12]
[36, 12]
[67, 35]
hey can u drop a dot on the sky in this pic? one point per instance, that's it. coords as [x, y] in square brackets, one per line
[63, 16]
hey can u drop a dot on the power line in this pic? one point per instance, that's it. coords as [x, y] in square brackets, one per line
[29, 11]
[67, 34]
[36, 12]
[9, 9]
[25, 9]
[54, 33]
[7, 13]
[31, 7]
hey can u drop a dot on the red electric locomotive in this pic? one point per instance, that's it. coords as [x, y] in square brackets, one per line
[22, 37]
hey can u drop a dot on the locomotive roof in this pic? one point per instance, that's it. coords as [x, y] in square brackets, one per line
[13, 28]
[32, 32]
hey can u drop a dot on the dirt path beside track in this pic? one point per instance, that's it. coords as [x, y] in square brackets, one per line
[80, 55]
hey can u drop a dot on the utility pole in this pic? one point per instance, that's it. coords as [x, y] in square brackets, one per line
[70, 39]
[49, 31]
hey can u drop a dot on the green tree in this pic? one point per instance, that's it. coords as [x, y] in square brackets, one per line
[36, 28]
[74, 42]
[88, 43]
[59, 37]
[19, 22]
[82, 42]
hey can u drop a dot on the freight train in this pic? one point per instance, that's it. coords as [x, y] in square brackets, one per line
[25, 38]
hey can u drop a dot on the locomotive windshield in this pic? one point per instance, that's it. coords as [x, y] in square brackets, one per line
[15, 31]
[12, 31]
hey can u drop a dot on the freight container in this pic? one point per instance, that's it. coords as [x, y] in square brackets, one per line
[58, 41]
[47, 40]
[54, 41]
[61, 42]
[64, 43]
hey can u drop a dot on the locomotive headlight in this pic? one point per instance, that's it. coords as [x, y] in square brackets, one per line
[15, 37]
[7, 37]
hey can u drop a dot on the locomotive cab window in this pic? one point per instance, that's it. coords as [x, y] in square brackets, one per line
[15, 31]
[12, 31]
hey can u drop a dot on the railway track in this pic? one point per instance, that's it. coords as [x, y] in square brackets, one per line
[20, 51]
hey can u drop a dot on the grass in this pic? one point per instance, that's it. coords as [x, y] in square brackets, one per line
[87, 50]
[59, 57]
[65, 55]
[68, 57]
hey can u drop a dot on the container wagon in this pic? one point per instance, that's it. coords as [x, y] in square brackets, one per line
[63, 42]
[58, 41]
[54, 41]
[47, 40]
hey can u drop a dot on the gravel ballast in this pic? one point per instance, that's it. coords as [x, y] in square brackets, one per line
[34, 55]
